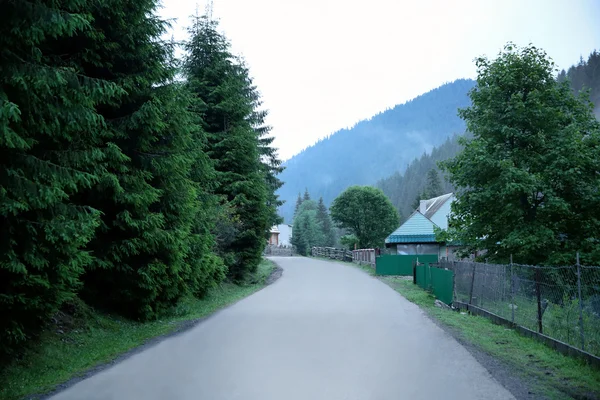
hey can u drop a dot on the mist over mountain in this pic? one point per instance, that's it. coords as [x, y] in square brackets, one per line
[375, 148]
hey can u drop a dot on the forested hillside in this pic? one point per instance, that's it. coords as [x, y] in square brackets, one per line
[586, 75]
[404, 189]
[121, 184]
[375, 148]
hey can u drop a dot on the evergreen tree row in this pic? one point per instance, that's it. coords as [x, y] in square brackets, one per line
[119, 183]
[312, 225]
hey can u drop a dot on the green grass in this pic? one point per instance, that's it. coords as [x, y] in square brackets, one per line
[551, 373]
[560, 322]
[93, 338]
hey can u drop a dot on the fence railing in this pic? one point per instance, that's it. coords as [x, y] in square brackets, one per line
[562, 303]
[364, 256]
[280, 251]
[331, 252]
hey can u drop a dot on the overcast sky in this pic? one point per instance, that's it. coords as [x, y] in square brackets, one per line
[323, 65]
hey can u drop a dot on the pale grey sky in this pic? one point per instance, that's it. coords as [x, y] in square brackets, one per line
[323, 65]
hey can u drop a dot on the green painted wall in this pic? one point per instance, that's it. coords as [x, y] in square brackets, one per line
[442, 282]
[392, 264]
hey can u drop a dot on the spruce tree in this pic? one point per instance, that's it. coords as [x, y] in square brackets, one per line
[307, 230]
[326, 225]
[298, 204]
[270, 162]
[149, 200]
[221, 82]
[50, 149]
[434, 185]
[306, 195]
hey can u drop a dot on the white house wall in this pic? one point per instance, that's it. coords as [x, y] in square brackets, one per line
[285, 234]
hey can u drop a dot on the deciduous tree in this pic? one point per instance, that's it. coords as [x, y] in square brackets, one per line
[367, 213]
[528, 179]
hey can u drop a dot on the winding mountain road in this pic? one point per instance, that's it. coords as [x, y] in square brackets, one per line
[324, 330]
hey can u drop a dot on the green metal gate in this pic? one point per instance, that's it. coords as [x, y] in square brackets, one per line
[402, 265]
[442, 284]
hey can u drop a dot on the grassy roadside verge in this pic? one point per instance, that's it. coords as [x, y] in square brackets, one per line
[85, 338]
[550, 373]
[546, 372]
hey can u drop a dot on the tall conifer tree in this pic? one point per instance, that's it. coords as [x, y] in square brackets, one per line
[220, 81]
[50, 149]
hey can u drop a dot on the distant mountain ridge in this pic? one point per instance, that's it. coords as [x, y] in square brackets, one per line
[375, 148]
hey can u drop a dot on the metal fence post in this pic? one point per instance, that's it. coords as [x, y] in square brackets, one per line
[453, 269]
[580, 304]
[538, 294]
[512, 290]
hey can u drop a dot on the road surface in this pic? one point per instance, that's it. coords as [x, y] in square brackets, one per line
[324, 330]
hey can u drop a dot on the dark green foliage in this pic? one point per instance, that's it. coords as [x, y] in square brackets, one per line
[270, 163]
[149, 201]
[307, 230]
[117, 181]
[374, 149]
[326, 225]
[236, 142]
[367, 213]
[312, 225]
[349, 242]
[46, 107]
[529, 177]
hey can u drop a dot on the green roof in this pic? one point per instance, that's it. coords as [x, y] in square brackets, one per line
[416, 229]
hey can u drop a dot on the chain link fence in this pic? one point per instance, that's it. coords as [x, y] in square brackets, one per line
[560, 302]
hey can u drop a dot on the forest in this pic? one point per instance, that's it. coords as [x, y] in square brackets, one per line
[312, 225]
[129, 178]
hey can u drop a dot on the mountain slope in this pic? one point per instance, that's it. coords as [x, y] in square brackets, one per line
[403, 189]
[375, 148]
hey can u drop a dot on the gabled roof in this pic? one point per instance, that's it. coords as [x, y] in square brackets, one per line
[416, 229]
[274, 229]
[433, 205]
[419, 228]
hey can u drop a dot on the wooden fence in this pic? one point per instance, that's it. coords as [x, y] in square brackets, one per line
[272, 250]
[364, 256]
[331, 252]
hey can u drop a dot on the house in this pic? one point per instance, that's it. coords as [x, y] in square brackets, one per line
[280, 235]
[285, 235]
[274, 236]
[417, 234]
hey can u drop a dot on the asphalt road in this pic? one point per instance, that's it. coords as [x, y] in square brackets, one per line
[322, 331]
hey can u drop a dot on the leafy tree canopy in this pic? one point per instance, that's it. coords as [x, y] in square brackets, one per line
[367, 213]
[528, 179]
